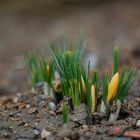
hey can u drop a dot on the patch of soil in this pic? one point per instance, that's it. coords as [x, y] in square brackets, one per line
[28, 115]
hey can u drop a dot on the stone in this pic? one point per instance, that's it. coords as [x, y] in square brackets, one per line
[36, 132]
[15, 100]
[32, 110]
[138, 123]
[52, 106]
[45, 134]
[28, 106]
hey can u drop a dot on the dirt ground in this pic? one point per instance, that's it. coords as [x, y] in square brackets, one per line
[25, 117]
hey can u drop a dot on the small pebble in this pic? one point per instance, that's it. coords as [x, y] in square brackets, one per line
[52, 106]
[36, 132]
[28, 106]
[42, 104]
[5, 134]
[138, 123]
[45, 134]
[85, 127]
[14, 113]
[15, 100]
[26, 125]
[18, 114]
[138, 108]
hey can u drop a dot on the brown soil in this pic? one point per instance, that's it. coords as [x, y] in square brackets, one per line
[24, 116]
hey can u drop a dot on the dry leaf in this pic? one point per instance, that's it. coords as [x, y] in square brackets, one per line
[21, 106]
[10, 106]
[132, 134]
[52, 112]
[32, 110]
[26, 125]
[4, 100]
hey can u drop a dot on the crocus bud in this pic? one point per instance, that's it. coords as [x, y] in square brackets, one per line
[93, 98]
[83, 84]
[112, 87]
[48, 70]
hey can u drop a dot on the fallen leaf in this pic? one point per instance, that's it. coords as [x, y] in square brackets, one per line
[21, 106]
[3, 100]
[26, 125]
[15, 119]
[52, 113]
[132, 134]
[10, 106]
[32, 110]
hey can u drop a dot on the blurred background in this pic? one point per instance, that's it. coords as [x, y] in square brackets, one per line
[30, 24]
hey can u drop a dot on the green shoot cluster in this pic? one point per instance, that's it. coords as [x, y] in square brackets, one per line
[39, 69]
[76, 82]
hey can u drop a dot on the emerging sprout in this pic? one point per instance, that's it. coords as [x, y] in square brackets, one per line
[74, 81]
[112, 87]
[48, 70]
[83, 85]
[65, 113]
[40, 70]
[93, 98]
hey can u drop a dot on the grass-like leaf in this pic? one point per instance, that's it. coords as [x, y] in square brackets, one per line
[65, 113]
[39, 69]
[126, 82]
[105, 86]
[115, 64]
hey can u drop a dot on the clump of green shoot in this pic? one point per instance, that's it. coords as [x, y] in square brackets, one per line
[74, 79]
[68, 64]
[40, 70]
[115, 90]
[77, 83]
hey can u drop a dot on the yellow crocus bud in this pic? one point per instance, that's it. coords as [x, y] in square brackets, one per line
[93, 98]
[48, 70]
[69, 53]
[112, 87]
[83, 84]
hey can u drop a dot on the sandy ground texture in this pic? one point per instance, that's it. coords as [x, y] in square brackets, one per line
[31, 116]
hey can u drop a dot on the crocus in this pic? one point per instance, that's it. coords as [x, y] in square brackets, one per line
[112, 87]
[93, 98]
[83, 84]
[48, 70]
